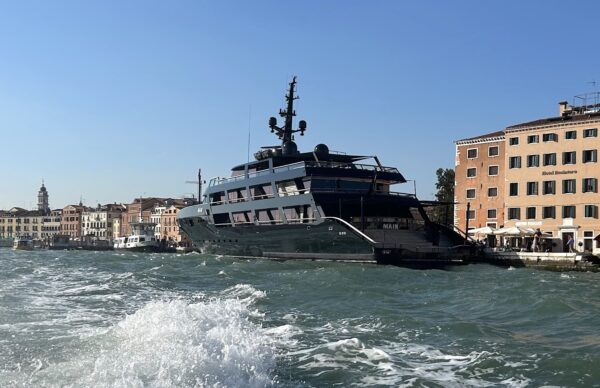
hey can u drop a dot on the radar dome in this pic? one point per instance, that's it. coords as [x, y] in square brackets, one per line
[289, 148]
[321, 149]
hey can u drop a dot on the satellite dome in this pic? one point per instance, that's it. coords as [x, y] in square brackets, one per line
[321, 149]
[289, 148]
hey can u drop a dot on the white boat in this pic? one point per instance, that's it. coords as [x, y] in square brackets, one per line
[23, 243]
[141, 239]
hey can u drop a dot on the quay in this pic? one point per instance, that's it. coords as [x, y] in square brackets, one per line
[552, 261]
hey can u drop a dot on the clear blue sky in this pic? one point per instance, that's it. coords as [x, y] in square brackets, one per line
[108, 100]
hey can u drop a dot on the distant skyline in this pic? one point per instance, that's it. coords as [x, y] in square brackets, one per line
[107, 101]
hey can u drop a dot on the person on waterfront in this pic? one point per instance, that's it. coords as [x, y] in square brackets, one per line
[570, 243]
[537, 237]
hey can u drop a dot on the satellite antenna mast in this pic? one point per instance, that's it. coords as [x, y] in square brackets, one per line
[286, 132]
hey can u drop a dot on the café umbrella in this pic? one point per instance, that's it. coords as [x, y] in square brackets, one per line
[514, 231]
[483, 230]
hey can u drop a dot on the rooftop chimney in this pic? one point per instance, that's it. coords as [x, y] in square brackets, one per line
[563, 106]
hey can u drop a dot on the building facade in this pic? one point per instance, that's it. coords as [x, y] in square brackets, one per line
[70, 223]
[170, 231]
[479, 181]
[51, 226]
[99, 223]
[550, 178]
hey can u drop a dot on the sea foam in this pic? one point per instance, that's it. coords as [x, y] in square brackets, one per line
[174, 343]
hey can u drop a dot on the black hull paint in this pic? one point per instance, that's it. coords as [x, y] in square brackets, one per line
[328, 240]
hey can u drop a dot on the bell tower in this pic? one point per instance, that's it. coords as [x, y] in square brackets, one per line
[43, 200]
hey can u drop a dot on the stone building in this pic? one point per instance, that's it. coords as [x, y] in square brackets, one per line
[51, 226]
[43, 205]
[70, 224]
[98, 223]
[170, 229]
[479, 176]
[550, 176]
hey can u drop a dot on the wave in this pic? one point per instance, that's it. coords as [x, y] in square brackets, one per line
[172, 343]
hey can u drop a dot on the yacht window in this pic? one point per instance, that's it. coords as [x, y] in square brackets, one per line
[287, 188]
[222, 219]
[292, 214]
[242, 217]
[218, 197]
[261, 191]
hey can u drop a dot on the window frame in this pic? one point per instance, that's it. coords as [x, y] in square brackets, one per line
[535, 186]
[516, 211]
[593, 156]
[569, 207]
[590, 132]
[476, 153]
[547, 208]
[497, 148]
[497, 167]
[527, 211]
[517, 159]
[552, 186]
[573, 160]
[533, 160]
[553, 157]
[566, 186]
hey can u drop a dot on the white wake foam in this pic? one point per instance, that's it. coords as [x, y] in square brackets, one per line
[175, 343]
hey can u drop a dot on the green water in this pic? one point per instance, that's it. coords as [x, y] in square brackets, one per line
[110, 319]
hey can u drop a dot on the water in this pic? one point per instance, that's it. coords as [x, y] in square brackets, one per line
[164, 320]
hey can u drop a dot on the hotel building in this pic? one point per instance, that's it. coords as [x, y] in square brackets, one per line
[550, 171]
[479, 181]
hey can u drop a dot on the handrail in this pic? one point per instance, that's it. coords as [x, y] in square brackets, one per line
[353, 228]
[312, 190]
[292, 166]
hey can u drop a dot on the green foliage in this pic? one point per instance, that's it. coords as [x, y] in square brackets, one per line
[445, 193]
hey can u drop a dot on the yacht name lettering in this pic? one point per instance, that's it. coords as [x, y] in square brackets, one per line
[559, 172]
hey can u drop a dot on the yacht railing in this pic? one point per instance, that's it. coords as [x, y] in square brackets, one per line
[351, 166]
[290, 193]
[271, 222]
[293, 166]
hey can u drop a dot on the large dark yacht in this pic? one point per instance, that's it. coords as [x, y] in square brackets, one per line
[320, 204]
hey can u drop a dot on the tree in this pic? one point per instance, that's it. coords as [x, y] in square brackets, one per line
[445, 194]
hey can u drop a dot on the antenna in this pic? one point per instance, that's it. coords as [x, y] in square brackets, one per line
[249, 121]
[593, 83]
[199, 183]
[285, 132]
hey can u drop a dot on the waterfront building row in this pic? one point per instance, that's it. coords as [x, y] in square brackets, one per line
[103, 222]
[539, 174]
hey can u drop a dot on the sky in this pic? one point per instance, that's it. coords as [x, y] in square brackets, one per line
[106, 101]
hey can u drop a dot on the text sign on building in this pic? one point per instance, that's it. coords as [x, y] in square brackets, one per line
[559, 172]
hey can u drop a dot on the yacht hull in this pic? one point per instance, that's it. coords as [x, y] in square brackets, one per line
[328, 240]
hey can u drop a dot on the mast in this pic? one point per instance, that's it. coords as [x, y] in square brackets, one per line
[286, 132]
[289, 113]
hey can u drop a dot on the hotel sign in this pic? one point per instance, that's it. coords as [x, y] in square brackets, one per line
[559, 172]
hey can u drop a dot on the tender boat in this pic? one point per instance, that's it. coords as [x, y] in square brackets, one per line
[319, 204]
[23, 243]
[141, 239]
